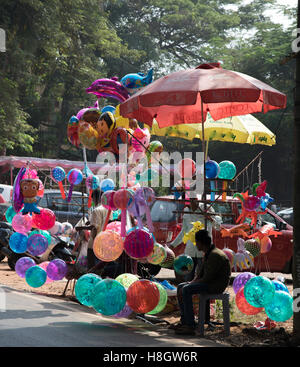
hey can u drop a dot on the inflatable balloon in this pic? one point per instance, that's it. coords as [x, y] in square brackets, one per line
[107, 185]
[138, 244]
[35, 276]
[57, 229]
[230, 254]
[108, 297]
[23, 264]
[72, 131]
[183, 264]
[67, 228]
[134, 81]
[9, 214]
[108, 88]
[143, 296]
[186, 168]
[84, 287]
[265, 245]
[227, 170]
[280, 308]
[45, 220]
[240, 280]
[163, 299]
[145, 197]
[44, 265]
[92, 183]
[58, 175]
[279, 286]
[259, 291]
[126, 279]
[123, 199]
[44, 233]
[243, 305]
[22, 223]
[212, 170]
[253, 246]
[37, 244]
[168, 262]
[158, 254]
[18, 242]
[74, 177]
[111, 109]
[57, 269]
[108, 245]
[88, 135]
[125, 312]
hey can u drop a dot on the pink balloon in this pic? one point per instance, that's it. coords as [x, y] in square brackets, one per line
[22, 223]
[45, 220]
[44, 265]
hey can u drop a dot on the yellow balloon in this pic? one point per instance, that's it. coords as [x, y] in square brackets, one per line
[88, 136]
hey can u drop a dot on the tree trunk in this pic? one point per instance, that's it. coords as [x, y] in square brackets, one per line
[296, 256]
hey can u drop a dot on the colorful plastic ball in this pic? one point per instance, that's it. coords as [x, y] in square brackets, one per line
[259, 291]
[57, 269]
[108, 297]
[23, 264]
[125, 312]
[45, 220]
[58, 173]
[92, 182]
[279, 286]
[244, 306]
[163, 299]
[143, 296]
[37, 244]
[84, 287]
[18, 242]
[158, 254]
[183, 264]
[44, 265]
[253, 246]
[280, 309]
[107, 185]
[9, 214]
[138, 244]
[126, 279]
[265, 245]
[22, 223]
[123, 199]
[114, 226]
[212, 169]
[44, 233]
[35, 276]
[227, 170]
[168, 262]
[108, 245]
[240, 280]
[107, 200]
[75, 176]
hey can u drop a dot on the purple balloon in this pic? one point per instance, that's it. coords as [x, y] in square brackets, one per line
[125, 312]
[37, 244]
[241, 280]
[57, 269]
[108, 88]
[23, 264]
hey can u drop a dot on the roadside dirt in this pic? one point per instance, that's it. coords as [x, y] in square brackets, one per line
[242, 330]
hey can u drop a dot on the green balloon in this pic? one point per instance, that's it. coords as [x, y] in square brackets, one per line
[163, 299]
[9, 214]
[42, 232]
[227, 170]
[126, 279]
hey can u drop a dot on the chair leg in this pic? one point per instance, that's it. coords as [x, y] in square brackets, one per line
[226, 316]
[201, 320]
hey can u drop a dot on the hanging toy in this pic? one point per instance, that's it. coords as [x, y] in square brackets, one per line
[58, 175]
[123, 199]
[242, 258]
[92, 182]
[74, 177]
[190, 235]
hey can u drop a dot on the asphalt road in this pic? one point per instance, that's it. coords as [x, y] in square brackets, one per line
[31, 320]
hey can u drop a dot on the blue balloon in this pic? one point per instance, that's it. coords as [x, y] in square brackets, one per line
[111, 109]
[84, 286]
[265, 200]
[107, 184]
[108, 297]
[212, 169]
[280, 309]
[259, 291]
[35, 276]
[18, 242]
[279, 286]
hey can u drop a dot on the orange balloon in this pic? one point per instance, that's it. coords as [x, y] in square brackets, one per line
[143, 296]
[108, 245]
[265, 245]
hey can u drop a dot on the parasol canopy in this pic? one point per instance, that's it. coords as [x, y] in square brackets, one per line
[187, 96]
[245, 129]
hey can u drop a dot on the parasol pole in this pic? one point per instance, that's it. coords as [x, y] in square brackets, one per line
[204, 173]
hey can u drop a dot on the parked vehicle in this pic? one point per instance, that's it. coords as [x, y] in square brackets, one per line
[6, 192]
[167, 224]
[65, 211]
[287, 215]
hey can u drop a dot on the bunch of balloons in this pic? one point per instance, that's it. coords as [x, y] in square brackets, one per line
[254, 294]
[121, 296]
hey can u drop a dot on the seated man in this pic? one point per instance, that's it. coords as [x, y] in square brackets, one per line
[213, 277]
